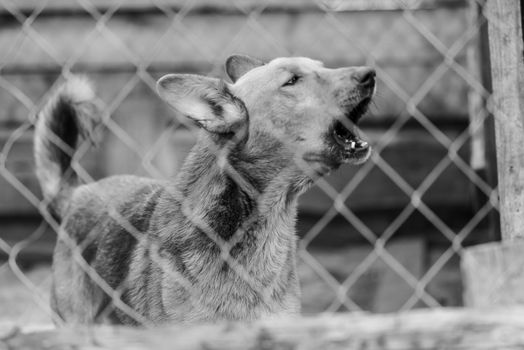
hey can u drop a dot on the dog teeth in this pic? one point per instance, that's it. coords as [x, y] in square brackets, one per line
[353, 145]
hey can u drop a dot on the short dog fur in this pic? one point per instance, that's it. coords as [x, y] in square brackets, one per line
[218, 241]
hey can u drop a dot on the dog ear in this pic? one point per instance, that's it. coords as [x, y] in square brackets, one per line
[205, 100]
[238, 65]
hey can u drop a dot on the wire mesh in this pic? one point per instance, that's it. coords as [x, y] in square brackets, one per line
[49, 41]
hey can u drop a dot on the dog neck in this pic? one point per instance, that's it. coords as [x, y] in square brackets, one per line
[240, 215]
[228, 186]
[247, 199]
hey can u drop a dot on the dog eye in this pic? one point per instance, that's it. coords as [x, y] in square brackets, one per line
[292, 81]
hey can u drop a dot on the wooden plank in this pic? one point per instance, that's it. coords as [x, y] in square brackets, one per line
[476, 101]
[412, 153]
[489, 124]
[18, 183]
[446, 284]
[394, 291]
[339, 232]
[38, 243]
[507, 69]
[466, 329]
[208, 38]
[444, 103]
[492, 274]
[20, 170]
[378, 289]
[245, 5]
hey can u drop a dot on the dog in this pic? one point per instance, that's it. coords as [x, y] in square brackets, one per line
[217, 242]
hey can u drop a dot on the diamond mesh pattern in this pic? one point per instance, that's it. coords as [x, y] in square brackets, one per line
[126, 60]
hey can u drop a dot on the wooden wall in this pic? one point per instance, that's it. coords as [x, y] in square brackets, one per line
[140, 42]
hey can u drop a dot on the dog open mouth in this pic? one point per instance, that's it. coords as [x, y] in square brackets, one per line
[346, 135]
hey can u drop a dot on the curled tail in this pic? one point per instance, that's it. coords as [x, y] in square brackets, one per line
[69, 116]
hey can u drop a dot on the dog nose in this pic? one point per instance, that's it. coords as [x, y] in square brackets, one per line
[365, 76]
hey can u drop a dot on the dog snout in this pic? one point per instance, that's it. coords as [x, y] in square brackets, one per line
[365, 77]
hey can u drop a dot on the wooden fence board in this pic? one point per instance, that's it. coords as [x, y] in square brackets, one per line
[201, 42]
[379, 289]
[202, 39]
[412, 153]
[245, 5]
[446, 285]
[507, 63]
[492, 274]
[421, 329]
[444, 102]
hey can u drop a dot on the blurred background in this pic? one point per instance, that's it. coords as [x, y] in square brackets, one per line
[381, 237]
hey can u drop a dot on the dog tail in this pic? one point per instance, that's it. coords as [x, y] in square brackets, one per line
[69, 116]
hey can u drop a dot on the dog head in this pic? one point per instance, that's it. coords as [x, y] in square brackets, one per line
[309, 109]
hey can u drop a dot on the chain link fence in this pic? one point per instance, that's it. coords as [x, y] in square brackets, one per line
[385, 236]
